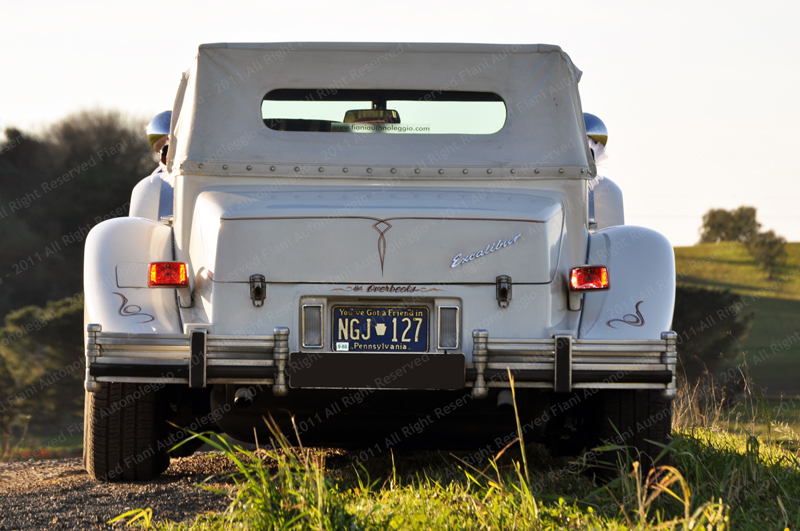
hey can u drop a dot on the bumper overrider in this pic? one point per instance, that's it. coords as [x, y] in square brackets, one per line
[561, 363]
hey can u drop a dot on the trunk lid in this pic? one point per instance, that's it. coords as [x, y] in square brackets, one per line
[378, 236]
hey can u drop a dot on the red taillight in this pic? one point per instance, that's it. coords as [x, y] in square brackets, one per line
[588, 278]
[168, 275]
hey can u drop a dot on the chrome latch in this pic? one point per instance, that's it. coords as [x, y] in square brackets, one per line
[503, 290]
[258, 289]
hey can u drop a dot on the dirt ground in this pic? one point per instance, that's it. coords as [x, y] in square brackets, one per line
[59, 494]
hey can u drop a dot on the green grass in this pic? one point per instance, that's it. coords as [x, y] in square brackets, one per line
[729, 265]
[720, 480]
[724, 476]
[735, 466]
[772, 348]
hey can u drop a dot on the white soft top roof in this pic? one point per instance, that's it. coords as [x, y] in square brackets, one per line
[217, 126]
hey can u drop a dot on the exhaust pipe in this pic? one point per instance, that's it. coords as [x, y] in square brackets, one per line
[505, 398]
[243, 398]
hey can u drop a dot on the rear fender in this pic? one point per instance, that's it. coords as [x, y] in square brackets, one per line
[116, 259]
[152, 198]
[641, 297]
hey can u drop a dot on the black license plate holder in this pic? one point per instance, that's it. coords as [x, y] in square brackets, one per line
[355, 370]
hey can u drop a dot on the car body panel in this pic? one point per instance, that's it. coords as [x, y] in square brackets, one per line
[642, 274]
[117, 250]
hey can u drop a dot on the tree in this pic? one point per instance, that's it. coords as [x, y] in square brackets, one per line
[53, 189]
[769, 251]
[767, 248]
[729, 226]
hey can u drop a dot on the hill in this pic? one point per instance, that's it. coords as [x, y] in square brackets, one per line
[772, 348]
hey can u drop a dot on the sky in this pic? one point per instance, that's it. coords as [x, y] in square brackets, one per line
[701, 99]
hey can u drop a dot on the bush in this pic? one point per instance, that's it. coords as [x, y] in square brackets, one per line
[767, 248]
[729, 226]
[42, 362]
[708, 323]
[769, 251]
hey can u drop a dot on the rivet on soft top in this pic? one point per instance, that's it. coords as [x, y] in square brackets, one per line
[489, 171]
[536, 170]
[272, 168]
[441, 171]
[345, 170]
[200, 165]
[513, 171]
[249, 168]
[465, 171]
[321, 169]
[297, 168]
[393, 170]
[416, 170]
[369, 170]
[561, 170]
[224, 166]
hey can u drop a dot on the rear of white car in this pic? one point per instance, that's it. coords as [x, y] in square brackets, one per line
[371, 238]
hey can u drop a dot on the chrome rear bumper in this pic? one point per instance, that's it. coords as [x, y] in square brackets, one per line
[561, 363]
[196, 359]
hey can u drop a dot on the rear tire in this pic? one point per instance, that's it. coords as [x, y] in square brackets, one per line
[124, 428]
[643, 422]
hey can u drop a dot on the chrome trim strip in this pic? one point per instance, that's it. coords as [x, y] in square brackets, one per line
[520, 366]
[281, 355]
[520, 348]
[593, 347]
[222, 346]
[536, 385]
[618, 386]
[242, 381]
[622, 356]
[619, 342]
[670, 358]
[507, 340]
[138, 379]
[638, 367]
[522, 359]
[222, 362]
[480, 355]
[145, 354]
[147, 337]
[139, 360]
[149, 344]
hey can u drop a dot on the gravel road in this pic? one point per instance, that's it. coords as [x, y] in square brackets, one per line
[59, 494]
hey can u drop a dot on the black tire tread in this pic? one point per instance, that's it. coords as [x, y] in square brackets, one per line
[639, 420]
[123, 426]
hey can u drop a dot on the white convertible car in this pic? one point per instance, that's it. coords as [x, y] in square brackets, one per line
[373, 240]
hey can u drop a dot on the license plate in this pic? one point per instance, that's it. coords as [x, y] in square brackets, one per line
[380, 328]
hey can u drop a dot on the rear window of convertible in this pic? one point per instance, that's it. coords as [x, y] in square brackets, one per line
[415, 112]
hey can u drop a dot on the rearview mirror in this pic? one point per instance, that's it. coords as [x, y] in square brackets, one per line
[377, 116]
